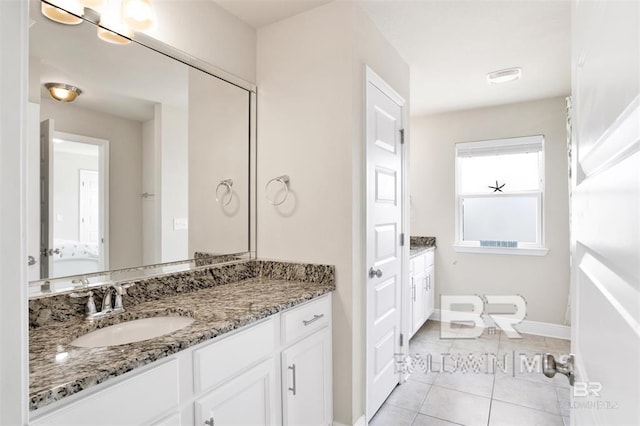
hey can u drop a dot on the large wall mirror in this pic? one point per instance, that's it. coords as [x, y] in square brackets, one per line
[151, 163]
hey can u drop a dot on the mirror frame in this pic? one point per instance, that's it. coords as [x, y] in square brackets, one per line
[51, 286]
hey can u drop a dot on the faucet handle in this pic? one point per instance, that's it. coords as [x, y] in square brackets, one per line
[121, 290]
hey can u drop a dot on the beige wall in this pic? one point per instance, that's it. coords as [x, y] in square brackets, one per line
[542, 281]
[310, 109]
[206, 31]
[125, 173]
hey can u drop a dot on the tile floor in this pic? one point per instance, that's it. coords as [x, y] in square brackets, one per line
[501, 396]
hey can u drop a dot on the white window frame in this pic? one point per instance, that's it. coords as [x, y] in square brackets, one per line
[533, 249]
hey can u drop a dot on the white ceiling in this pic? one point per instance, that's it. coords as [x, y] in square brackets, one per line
[450, 45]
[259, 13]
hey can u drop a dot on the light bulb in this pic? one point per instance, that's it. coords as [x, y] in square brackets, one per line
[139, 14]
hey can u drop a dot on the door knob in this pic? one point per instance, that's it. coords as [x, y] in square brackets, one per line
[32, 261]
[375, 273]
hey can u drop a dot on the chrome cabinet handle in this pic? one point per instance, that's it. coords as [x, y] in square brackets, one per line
[375, 273]
[413, 289]
[209, 422]
[314, 319]
[292, 367]
[32, 261]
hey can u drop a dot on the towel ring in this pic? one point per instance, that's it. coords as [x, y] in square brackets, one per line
[284, 180]
[228, 183]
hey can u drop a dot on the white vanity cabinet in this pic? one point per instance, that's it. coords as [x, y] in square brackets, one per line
[421, 289]
[306, 365]
[241, 378]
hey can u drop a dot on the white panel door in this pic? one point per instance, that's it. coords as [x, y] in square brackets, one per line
[384, 115]
[606, 213]
[89, 204]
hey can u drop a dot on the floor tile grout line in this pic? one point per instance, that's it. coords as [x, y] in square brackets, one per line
[526, 406]
[493, 389]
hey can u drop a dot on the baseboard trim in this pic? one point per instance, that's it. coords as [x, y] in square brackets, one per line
[531, 327]
[360, 422]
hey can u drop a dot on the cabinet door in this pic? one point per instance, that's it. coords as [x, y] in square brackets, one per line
[417, 300]
[429, 295]
[249, 399]
[306, 381]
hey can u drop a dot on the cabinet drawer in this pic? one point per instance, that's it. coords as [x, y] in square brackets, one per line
[231, 355]
[130, 402]
[304, 320]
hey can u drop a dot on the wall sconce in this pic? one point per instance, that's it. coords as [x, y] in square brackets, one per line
[63, 92]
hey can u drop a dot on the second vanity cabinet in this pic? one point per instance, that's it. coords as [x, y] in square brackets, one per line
[421, 289]
[306, 365]
[275, 371]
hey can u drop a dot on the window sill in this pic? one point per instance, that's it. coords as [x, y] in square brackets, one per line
[520, 251]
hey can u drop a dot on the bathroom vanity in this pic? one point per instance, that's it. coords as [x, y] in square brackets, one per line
[257, 352]
[421, 282]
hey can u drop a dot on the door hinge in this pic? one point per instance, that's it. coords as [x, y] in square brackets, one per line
[402, 136]
[402, 239]
[401, 339]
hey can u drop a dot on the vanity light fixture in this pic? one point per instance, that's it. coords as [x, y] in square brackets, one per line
[138, 14]
[63, 92]
[504, 76]
[118, 18]
[56, 10]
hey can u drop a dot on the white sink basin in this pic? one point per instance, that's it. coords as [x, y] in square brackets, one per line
[132, 331]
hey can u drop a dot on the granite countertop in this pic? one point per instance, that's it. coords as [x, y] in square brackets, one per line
[419, 245]
[57, 369]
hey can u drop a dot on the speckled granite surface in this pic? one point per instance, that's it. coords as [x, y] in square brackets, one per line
[422, 241]
[217, 304]
[418, 245]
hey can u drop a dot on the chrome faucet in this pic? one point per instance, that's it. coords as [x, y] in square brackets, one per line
[109, 307]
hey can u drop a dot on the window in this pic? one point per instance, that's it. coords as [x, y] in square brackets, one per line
[499, 196]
